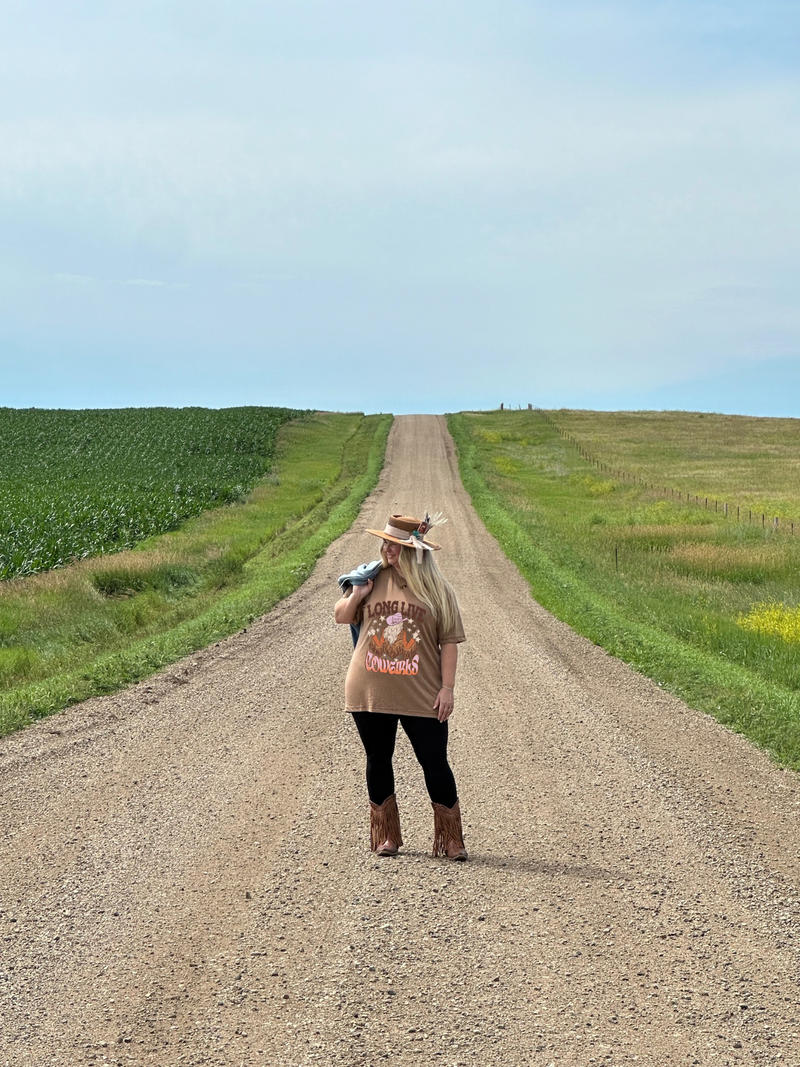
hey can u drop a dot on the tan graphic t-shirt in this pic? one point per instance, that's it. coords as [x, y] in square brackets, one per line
[396, 665]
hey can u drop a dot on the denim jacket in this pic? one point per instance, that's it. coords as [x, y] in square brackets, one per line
[364, 573]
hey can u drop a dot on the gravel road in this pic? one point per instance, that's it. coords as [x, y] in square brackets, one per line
[184, 873]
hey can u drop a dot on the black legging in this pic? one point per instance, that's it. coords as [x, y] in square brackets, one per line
[428, 738]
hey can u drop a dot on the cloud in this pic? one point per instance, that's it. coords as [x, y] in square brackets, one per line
[148, 283]
[153, 283]
[594, 193]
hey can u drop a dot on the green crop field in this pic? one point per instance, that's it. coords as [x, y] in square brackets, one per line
[592, 506]
[107, 620]
[76, 483]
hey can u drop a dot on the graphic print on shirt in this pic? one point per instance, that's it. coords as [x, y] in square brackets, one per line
[393, 638]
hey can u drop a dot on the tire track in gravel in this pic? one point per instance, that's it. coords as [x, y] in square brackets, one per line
[184, 876]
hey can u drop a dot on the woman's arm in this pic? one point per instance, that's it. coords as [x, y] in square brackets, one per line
[345, 610]
[445, 700]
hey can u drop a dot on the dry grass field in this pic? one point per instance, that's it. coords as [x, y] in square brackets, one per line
[752, 462]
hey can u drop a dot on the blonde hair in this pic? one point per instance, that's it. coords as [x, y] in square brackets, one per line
[428, 584]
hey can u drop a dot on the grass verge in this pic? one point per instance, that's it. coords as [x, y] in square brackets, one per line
[107, 622]
[659, 585]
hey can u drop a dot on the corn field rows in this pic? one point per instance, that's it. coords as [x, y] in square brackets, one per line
[77, 483]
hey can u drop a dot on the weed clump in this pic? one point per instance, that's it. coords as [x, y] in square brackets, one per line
[773, 620]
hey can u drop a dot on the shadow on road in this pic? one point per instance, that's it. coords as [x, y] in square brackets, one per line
[529, 864]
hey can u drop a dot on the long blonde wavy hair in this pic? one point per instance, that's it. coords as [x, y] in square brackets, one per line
[428, 584]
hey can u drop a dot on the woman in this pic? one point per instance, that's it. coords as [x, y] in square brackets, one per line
[404, 670]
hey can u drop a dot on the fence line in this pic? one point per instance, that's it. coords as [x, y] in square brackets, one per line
[687, 498]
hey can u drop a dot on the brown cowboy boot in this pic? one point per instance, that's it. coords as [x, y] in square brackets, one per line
[448, 836]
[384, 827]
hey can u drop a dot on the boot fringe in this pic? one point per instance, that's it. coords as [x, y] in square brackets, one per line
[384, 821]
[447, 828]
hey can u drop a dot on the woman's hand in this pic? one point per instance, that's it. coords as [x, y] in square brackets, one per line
[361, 592]
[443, 705]
[345, 609]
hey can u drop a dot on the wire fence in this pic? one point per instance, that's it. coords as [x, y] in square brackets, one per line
[720, 507]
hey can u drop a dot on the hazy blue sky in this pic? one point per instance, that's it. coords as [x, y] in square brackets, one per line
[423, 206]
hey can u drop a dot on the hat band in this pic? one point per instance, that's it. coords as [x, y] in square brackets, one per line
[403, 535]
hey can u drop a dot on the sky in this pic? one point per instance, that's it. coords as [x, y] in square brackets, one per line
[419, 207]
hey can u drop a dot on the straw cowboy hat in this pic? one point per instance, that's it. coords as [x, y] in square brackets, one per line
[404, 530]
